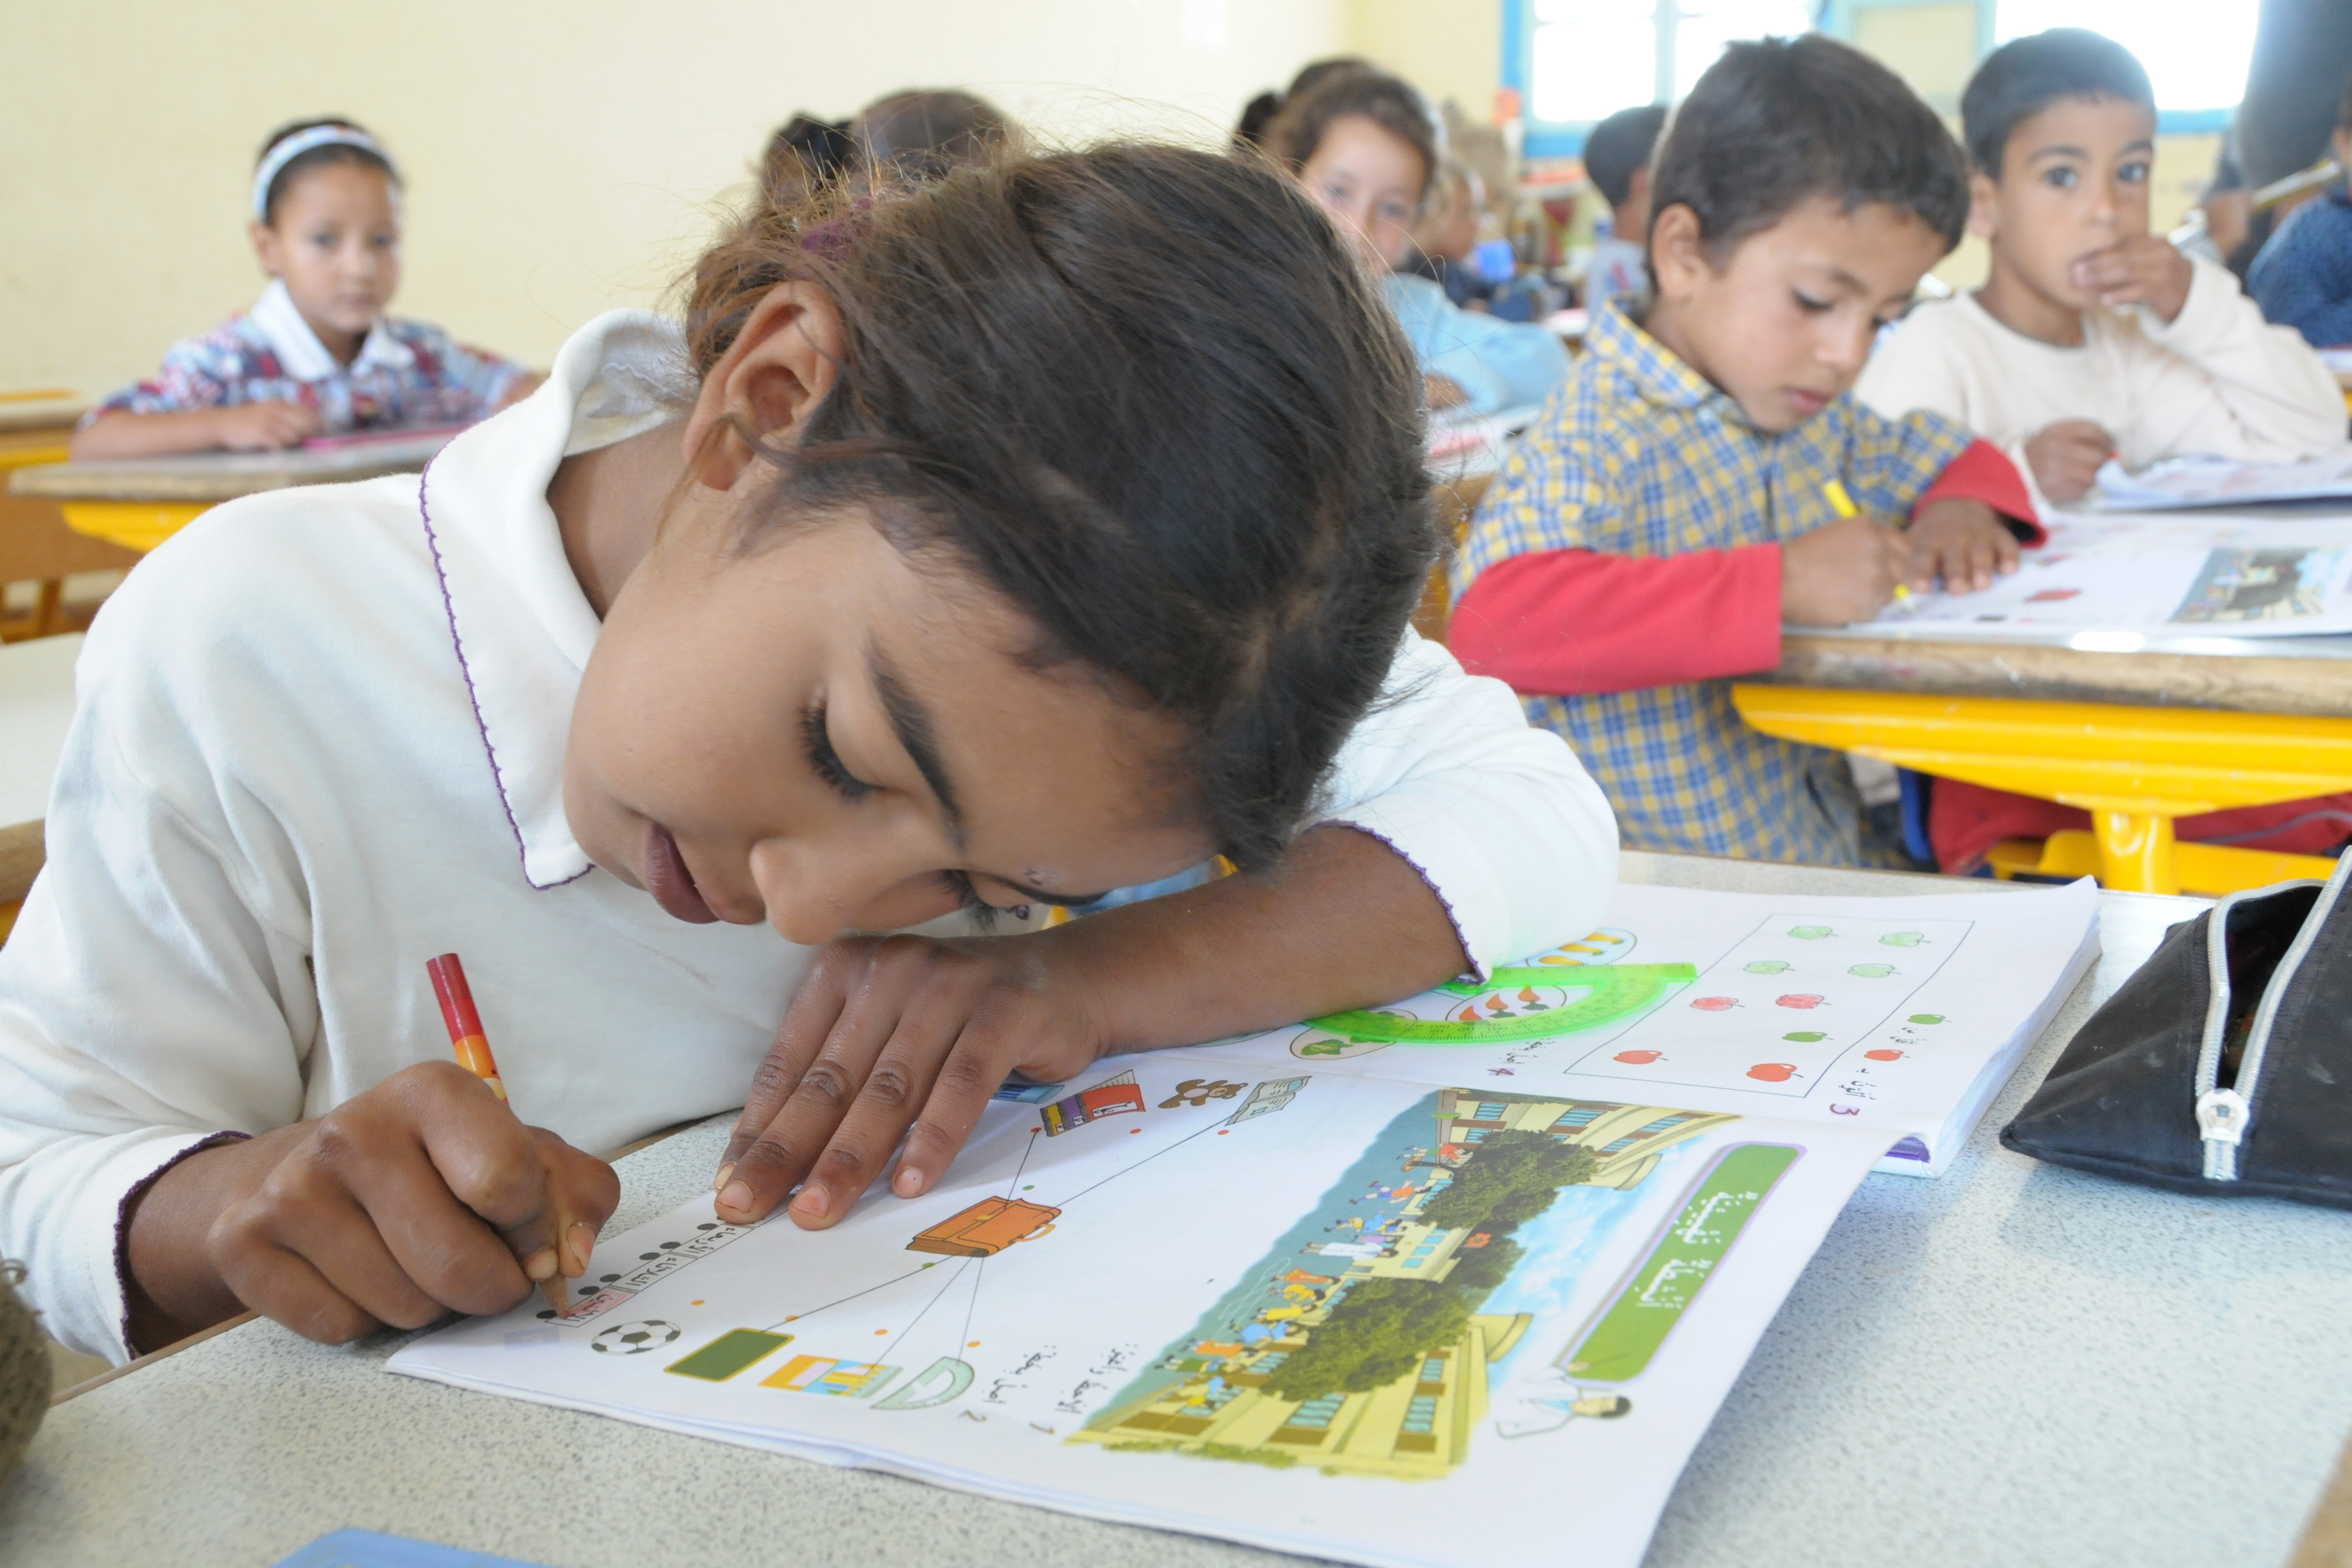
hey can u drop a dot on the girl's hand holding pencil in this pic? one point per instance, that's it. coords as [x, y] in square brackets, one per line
[421, 1197]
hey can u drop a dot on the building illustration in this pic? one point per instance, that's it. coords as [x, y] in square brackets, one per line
[1416, 1427]
[1625, 1139]
[1227, 1395]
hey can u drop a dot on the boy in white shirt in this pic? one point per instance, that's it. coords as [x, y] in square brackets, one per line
[2093, 337]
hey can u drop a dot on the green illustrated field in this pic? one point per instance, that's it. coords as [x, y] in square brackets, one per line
[1621, 1344]
[1611, 992]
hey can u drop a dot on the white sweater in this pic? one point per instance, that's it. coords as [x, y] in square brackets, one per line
[2217, 380]
[318, 741]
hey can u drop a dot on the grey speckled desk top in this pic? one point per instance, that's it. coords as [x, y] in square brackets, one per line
[2012, 1365]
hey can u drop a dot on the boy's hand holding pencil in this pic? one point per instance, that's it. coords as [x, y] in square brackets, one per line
[423, 1195]
[1843, 571]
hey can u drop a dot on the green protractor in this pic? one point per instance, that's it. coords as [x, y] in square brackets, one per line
[1613, 991]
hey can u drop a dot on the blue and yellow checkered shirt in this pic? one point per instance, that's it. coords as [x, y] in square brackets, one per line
[1639, 456]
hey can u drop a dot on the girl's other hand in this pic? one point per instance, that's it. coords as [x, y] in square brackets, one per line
[264, 426]
[1963, 542]
[421, 1197]
[889, 1032]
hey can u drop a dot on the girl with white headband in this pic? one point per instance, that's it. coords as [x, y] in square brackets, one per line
[316, 355]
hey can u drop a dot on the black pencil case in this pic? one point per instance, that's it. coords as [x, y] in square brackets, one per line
[2223, 1067]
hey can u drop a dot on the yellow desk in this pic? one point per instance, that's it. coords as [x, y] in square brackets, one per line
[36, 543]
[137, 503]
[2172, 728]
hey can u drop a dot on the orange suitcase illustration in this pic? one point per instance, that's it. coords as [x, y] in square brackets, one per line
[986, 1228]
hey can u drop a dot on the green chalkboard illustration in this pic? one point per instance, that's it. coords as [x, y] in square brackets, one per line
[1629, 1331]
[1521, 1003]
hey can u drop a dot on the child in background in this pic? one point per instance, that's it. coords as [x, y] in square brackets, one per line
[924, 133]
[1447, 239]
[316, 355]
[2302, 278]
[2093, 338]
[1042, 529]
[1617, 161]
[1366, 148]
[1681, 500]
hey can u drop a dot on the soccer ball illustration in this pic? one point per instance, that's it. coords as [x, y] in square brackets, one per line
[634, 1339]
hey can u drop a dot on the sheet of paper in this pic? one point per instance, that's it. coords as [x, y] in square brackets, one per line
[2224, 574]
[2209, 481]
[1900, 1015]
[1353, 1316]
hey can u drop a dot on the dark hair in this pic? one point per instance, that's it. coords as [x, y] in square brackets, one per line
[922, 133]
[1259, 112]
[1147, 393]
[1390, 102]
[1620, 144]
[1778, 120]
[805, 154]
[302, 163]
[2026, 76]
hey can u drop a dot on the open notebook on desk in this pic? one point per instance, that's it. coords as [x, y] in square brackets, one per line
[1393, 1303]
[2232, 574]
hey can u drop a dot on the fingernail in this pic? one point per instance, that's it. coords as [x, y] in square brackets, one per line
[737, 1196]
[584, 1242]
[541, 1265]
[718, 1182]
[811, 1202]
[906, 1183]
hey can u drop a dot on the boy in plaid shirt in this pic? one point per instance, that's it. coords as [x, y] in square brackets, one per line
[1674, 507]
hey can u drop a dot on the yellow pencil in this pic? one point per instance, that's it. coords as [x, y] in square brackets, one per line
[1843, 505]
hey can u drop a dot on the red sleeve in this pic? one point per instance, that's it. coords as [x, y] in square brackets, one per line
[1568, 621]
[1983, 473]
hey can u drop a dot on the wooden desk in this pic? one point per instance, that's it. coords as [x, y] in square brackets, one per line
[2137, 730]
[35, 546]
[137, 503]
[2012, 1365]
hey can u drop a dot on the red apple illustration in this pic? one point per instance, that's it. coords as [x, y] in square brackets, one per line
[1883, 1055]
[1799, 1000]
[1714, 1004]
[1640, 1058]
[1773, 1071]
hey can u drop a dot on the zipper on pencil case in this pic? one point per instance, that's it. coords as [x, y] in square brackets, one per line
[2224, 1114]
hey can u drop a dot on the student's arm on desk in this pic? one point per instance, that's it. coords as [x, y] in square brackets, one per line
[243, 427]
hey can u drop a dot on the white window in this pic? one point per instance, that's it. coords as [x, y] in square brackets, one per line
[2196, 52]
[1589, 58]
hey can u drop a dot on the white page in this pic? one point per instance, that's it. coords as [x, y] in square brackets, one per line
[1883, 1013]
[1116, 1359]
[2224, 574]
[2203, 480]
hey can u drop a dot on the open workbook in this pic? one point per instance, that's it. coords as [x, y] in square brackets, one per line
[1425, 1285]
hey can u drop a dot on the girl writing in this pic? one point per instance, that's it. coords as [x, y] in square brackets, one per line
[977, 549]
[316, 355]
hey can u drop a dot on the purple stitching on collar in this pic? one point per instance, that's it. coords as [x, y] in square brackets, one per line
[497, 775]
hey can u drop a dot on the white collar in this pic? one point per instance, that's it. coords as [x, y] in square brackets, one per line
[523, 628]
[277, 319]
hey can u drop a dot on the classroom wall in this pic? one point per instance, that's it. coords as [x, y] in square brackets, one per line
[1451, 50]
[562, 158]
